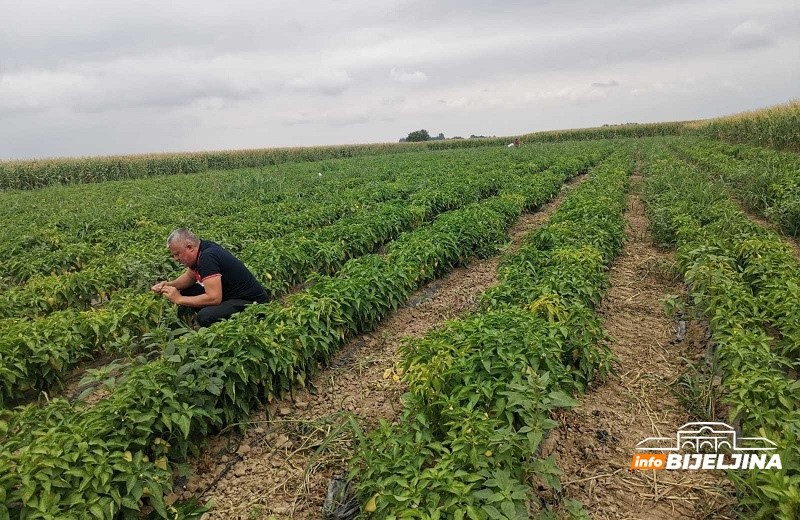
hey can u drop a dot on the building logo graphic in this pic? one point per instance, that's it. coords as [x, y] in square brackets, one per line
[706, 445]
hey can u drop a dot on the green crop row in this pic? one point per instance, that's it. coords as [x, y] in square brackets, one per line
[98, 461]
[51, 218]
[480, 388]
[38, 265]
[147, 259]
[258, 216]
[139, 269]
[119, 215]
[137, 255]
[38, 353]
[745, 281]
[765, 180]
[212, 379]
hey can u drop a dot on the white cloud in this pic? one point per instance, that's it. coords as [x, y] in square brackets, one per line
[328, 82]
[731, 85]
[331, 116]
[408, 77]
[750, 34]
[38, 90]
[164, 81]
[297, 118]
[607, 84]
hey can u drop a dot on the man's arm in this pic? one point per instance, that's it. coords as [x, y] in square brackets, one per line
[184, 281]
[212, 296]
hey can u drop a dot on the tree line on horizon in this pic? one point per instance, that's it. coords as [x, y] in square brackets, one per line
[418, 136]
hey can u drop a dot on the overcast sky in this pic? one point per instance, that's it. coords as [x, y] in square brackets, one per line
[88, 78]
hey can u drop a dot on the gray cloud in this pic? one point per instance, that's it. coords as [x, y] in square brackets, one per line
[78, 77]
[607, 84]
[327, 82]
[299, 118]
[143, 82]
[750, 35]
[402, 76]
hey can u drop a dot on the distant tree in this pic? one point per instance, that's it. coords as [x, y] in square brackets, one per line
[419, 135]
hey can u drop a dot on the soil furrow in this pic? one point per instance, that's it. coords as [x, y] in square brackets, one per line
[273, 470]
[596, 441]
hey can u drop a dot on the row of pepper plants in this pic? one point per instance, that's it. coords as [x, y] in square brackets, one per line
[39, 266]
[38, 353]
[95, 221]
[143, 256]
[480, 388]
[106, 215]
[108, 219]
[124, 203]
[128, 258]
[108, 459]
[765, 180]
[744, 280]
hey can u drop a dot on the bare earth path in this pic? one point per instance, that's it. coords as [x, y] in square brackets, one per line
[272, 472]
[596, 442]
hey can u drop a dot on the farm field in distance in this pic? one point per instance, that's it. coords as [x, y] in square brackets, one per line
[462, 330]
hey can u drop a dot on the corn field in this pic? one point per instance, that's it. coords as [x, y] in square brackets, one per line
[773, 127]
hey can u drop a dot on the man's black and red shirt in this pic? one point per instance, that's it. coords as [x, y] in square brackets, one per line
[238, 283]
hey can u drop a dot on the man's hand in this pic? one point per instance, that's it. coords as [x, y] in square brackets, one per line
[171, 293]
[158, 287]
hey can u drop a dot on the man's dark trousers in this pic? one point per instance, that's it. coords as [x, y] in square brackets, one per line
[214, 313]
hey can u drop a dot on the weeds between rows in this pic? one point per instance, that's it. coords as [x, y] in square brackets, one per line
[743, 279]
[480, 388]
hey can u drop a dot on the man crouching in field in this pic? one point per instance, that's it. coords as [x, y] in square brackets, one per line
[215, 282]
